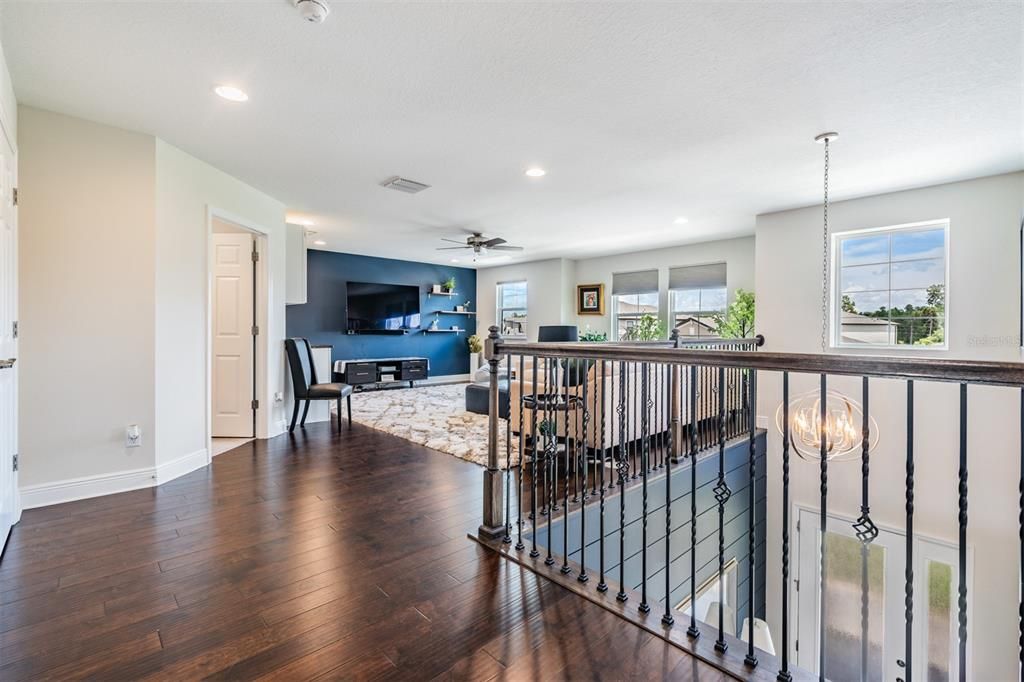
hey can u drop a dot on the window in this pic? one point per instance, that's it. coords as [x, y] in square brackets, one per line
[697, 294]
[890, 286]
[708, 595]
[512, 308]
[634, 296]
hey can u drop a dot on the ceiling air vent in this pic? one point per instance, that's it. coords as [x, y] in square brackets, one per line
[404, 185]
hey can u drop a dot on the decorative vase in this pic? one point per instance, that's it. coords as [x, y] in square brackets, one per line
[436, 289]
[474, 362]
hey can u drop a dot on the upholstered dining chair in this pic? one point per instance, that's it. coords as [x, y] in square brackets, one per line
[305, 386]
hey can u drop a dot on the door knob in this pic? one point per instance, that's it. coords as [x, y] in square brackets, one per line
[5, 364]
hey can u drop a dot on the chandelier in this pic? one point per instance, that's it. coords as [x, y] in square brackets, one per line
[842, 421]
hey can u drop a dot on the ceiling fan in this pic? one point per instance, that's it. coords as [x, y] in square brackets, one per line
[479, 244]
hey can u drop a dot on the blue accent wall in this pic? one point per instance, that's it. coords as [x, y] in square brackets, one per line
[322, 318]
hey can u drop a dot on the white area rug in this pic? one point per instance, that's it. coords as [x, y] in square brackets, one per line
[434, 416]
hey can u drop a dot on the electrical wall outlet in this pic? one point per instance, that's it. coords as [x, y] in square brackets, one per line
[132, 436]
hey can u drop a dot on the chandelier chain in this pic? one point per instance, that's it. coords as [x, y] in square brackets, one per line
[825, 263]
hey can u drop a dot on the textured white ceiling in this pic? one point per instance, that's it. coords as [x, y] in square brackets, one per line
[639, 112]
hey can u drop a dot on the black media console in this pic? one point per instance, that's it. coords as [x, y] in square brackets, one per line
[379, 372]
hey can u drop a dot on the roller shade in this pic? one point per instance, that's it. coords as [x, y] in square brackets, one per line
[697, 276]
[643, 282]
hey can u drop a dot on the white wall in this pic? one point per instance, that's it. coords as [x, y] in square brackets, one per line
[547, 283]
[113, 294]
[737, 254]
[87, 286]
[984, 309]
[185, 189]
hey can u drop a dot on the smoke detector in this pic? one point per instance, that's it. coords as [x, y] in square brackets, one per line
[313, 11]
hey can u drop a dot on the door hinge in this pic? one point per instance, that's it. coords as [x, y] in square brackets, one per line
[14, 195]
[797, 583]
[255, 330]
[255, 404]
[255, 256]
[15, 462]
[14, 329]
[798, 646]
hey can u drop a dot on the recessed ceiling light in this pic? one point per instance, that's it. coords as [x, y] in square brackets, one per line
[230, 92]
[681, 220]
[320, 242]
[536, 172]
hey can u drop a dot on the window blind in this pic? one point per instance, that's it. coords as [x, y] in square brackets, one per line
[697, 276]
[642, 282]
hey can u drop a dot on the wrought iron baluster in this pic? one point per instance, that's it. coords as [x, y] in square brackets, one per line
[671, 391]
[645, 455]
[623, 471]
[534, 444]
[865, 528]
[569, 406]
[632, 425]
[751, 394]
[1020, 523]
[519, 498]
[962, 523]
[550, 453]
[693, 631]
[784, 674]
[582, 443]
[722, 495]
[823, 476]
[508, 459]
[908, 587]
[602, 586]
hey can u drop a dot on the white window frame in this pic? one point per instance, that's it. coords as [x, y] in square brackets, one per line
[672, 311]
[836, 296]
[614, 335]
[500, 311]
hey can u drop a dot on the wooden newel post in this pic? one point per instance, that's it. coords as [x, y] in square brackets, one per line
[494, 522]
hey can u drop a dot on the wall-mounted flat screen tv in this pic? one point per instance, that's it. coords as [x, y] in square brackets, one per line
[382, 308]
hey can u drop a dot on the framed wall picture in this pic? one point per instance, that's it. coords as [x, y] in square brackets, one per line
[590, 299]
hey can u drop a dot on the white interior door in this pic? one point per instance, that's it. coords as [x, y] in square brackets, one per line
[233, 336]
[9, 506]
[935, 584]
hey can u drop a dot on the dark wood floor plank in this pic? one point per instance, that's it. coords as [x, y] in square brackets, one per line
[320, 555]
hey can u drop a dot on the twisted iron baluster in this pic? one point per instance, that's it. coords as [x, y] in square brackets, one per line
[583, 577]
[534, 441]
[550, 452]
[667, 619]
[784, 674]
[751, 393]
[623, 470]
[519, 498]
[1020, 523]
[908, 587]
[865, 529]
[508, 460]
[722, 495]
[693, 631]
[645, 455]
[602, 586]
[569, 411]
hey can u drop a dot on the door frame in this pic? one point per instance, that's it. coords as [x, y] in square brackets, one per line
[920, 556]
[12, 144]
[262, 301]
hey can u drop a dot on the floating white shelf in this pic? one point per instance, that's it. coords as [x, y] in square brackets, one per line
[444, 331]
[454, 312]
[442, 293]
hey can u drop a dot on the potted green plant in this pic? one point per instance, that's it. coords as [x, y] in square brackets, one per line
[476, 346]
[449, 285]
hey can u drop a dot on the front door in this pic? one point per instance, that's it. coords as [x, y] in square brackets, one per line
[881, 576]
[233, 335]
[9, 507]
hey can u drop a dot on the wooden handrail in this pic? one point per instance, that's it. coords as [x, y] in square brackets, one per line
[929, 369]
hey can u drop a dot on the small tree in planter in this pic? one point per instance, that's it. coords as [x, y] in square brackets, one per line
[476, 346]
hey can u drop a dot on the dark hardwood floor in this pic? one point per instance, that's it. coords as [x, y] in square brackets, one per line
[325, 555]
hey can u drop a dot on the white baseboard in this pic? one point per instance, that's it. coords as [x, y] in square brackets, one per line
[168, 471]
[69, 490]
